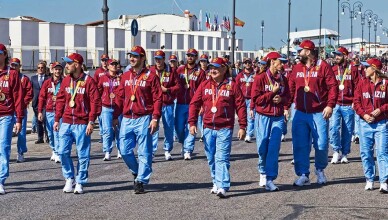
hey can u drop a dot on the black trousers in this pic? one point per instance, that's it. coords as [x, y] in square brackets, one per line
[41, 126]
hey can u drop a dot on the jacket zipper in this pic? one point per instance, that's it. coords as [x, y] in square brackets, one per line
[142, 101]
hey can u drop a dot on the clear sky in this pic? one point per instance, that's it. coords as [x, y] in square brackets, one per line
[304, 14]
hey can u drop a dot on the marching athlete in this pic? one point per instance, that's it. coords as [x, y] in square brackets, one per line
[220, 98]
[78, 104]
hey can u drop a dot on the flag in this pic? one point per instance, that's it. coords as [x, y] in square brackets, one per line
[238, 22]
[215, 22]
[200, 21]
[227, 24]
[207, 24]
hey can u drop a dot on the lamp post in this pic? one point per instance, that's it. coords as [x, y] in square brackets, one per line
[370, 19]
[338, 25]
[368, 13]
[385, 31]
[352, 11]
[233, 30]
[289, 27]
[105, 10]
[378, 21]
[262, 35]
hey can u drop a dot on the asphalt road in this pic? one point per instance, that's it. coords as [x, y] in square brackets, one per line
[180, 189]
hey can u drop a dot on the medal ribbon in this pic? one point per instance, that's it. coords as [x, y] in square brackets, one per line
[74, 92]
[271, 82]
[162, 76]
[56, 88]
[136, 84]
[2, 80]
[215, 99]
[306, 78]
[344, 74]
[247, 79]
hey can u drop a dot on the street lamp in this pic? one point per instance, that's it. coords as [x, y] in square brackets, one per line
[367, 13]
[371, 18]
[385, 31]
[262, 35]
[377, 21]
[105, 10]
[338, 25]
[352, 11]
[289, 27]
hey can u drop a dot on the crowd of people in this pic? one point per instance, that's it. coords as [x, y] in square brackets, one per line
[329, 104]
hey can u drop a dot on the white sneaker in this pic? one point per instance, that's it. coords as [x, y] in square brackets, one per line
[118, 155]
[187, 156]
[335, 158]
[263, 180]
[270, 186]
[57, 158]
[383, 188]
[344, 159]
[52, 158]
[248, 139]
[321, 178]
[20, 158]
[2, 190]
[69, 186]
[353, 138]
[107, 157]
[302, 181]
[292, 161]
[78, 189]
[167, 155]
[214, 189]
[369, 185]
[283, 138]
[221, 193]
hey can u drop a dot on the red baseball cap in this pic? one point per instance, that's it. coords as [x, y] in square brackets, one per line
[159, 54]
[173, 57]
[341, 51]
[15, 61]
[373, 62]
[306, 44]
[56, 63]
[203, 57]
[217, 62]
[74, 57]
[110, 61]
[275, 55]
[192, 51]
[104, 57]
[3, 49]
[137, 51]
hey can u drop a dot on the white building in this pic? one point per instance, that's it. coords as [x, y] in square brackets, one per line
[31, 39]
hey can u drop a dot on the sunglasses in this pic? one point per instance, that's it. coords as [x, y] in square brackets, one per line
[104, 60]
[40, 67]
[190, 55]
[114, 64]
[247, 62]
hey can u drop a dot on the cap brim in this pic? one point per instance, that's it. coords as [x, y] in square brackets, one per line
[283, 60]
[58, 65]
[263, 62]
[365, 64]
[215, 65]
[203, 59]
[173, 60]
[67, 59]
[191, 54]
[298, 48]
[134, 53]
[158, 57]
[337, 53]
[1, 51]
[16, 63]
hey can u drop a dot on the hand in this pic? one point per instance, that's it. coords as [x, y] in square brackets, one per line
[40, 117]
[241, 134]
[56, 126]
[89, 129]
[327, 112]
[251, 114]
[376, 112]
[153, 126]
[286, 115]
[164, 89]
[277, 99]
[18, 128]
[193, 130]
[276, 87]
[115, 123]
[368, 118]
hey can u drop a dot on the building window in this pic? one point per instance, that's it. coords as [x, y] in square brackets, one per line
[153, 38]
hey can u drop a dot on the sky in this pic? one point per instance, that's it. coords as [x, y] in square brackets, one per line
[305, 14]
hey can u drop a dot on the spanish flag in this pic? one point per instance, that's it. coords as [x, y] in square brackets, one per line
[238, 22]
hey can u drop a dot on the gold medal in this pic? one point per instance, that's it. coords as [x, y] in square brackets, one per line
[306, 89]
[382, 87]
[341, 87]
[133, 97]
[82, 83]
[196, 73]
[167, 74]
[6, 77]
[112, 95]
[145, 77]
[247, 84]
[54, 98]
[228, 87]
[2, 97]
[72, 104]
[213, 109]
[187, 86]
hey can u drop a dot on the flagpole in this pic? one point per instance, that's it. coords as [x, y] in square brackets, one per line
[233, 32]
